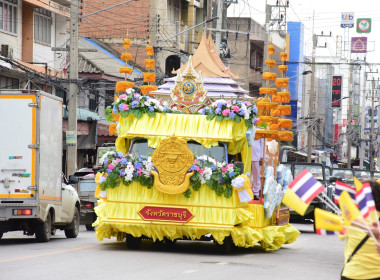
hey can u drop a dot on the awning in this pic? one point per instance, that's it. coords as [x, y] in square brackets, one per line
[302, 154]
[82, 114]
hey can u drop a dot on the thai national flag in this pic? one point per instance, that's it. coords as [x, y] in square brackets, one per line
[306, 186]
[340, 187]
[365, 200]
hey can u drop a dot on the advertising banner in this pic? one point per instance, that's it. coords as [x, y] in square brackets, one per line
[336, 93]
[363, 25]
[359, 45]
[347, 20]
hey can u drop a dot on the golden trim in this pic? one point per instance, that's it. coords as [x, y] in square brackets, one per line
[185, 205]
[179, 136]
[191, 224]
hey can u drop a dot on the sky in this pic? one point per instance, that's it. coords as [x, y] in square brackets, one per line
[322, 15]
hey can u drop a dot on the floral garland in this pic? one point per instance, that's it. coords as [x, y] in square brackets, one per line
[137, 105]
[232, 110]
[117, 168]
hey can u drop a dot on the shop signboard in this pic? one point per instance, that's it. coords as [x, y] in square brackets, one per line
[363, 25]
[359, 45]
[347, 20]
[336, 91]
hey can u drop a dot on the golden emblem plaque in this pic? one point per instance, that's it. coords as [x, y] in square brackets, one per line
[172, 160]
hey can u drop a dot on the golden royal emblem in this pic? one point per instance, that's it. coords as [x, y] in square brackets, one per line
[188, 89]
[172, 160]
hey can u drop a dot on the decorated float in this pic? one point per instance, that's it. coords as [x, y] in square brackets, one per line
[182, 163]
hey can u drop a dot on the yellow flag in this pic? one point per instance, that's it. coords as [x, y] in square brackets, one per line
[358, 184]
[327, 220]
[349, 210]
[293, 201]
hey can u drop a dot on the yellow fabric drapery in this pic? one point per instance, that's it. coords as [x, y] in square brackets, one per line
[188, 127]
[246, 223]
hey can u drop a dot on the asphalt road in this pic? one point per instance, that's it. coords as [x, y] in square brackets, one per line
[310, 257]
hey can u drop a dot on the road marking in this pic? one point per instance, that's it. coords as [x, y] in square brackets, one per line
[190, 271]
[49, 254]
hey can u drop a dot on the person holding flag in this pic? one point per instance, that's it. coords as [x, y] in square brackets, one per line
[362, 251]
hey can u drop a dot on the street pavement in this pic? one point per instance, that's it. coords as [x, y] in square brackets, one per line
[310, 257]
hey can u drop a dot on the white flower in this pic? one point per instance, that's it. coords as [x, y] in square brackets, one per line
[238, 182]
[207, 173]
[165, 104]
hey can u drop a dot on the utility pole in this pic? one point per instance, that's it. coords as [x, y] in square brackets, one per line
[349, 121]
[218, 36]
[71, 152]
[311, 101]
[372, 134]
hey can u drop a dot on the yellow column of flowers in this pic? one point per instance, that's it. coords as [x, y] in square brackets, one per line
[150, 76]
[123, 86]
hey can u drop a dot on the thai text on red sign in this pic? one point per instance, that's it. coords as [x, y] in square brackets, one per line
[166, 214]
[336, 91]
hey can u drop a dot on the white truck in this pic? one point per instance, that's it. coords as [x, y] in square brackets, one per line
[35, 197]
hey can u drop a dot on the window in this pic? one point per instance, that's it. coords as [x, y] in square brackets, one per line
[94, 101]
[8, 83]
[109, 98]
[42, 26]
[8, 16]
[61, 93]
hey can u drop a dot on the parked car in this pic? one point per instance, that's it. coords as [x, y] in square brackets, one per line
[86, 190]
[320, 172]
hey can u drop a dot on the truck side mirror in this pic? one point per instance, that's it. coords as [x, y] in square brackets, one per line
[73, 179]
[333, 179]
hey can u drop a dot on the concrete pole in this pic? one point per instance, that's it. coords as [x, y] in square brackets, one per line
[311, 101]
[362, 120]
[372, 133]
[349, 121]
[219, 21]
[71, 158]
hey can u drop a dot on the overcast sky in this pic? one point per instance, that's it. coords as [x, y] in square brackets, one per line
[327, 17]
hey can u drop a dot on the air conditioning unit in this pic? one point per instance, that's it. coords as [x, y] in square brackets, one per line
[6, 51]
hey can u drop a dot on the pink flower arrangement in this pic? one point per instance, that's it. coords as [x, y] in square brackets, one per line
[125, 107]
[111, 166]
[235, 108]
[226, 112]
[123, 96]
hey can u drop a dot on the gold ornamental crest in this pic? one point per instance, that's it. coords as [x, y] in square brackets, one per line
[172, 160]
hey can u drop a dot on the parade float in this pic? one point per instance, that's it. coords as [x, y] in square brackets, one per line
[183, 156]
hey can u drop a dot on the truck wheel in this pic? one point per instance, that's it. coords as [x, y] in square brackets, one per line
[1, 235]
[227, 245]
[43, 230]
[73, 231]
[90, 227]
[133, 242]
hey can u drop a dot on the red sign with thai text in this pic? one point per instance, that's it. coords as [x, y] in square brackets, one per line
[171, 214]
[336, 91]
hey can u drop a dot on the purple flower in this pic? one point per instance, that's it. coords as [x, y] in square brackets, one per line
[254, 109]
[138, 165]
[192, 168]
[135, 104]
[122, 173]
[218, 110]
[232, 115]
[121, 107]
[105, 160]
[123, 161]
[213, 167]
[241, 112]
[231, 174]
[203, 111]
[114, 110]
[108, 171]
[151, 109]
[102, 179]
[120, 155]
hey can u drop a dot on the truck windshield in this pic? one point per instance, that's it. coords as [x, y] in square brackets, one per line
[87, 186]
[140, 147]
